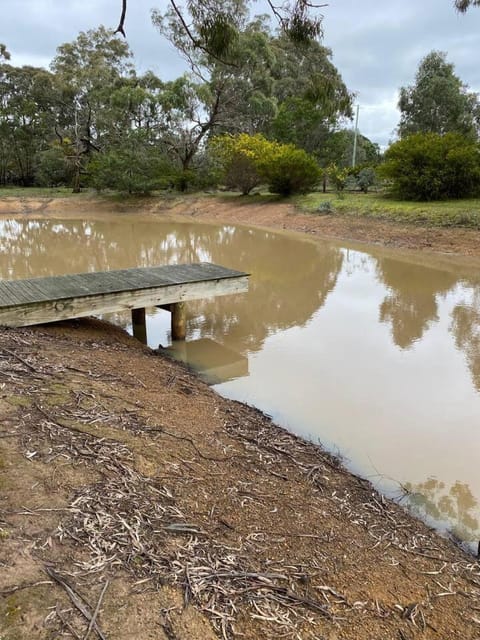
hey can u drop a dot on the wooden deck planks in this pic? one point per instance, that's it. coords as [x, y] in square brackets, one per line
[37, 300]
[13, 292]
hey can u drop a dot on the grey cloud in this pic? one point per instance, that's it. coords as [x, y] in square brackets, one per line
[380, 51]
[376, 45]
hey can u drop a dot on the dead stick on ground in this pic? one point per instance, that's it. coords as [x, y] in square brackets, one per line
[97, 609]
[66, 623]
[161, 430]
[76, 599]
[30, 585]
[14, 355]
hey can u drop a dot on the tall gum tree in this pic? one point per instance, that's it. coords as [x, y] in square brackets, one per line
[27, 119]
[253, 84]
[212, 26]
[87, 70]
[438, 102]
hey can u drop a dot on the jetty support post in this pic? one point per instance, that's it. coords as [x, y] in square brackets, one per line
[139, 325]
[179, 320]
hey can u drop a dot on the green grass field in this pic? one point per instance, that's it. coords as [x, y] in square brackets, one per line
[447, 213]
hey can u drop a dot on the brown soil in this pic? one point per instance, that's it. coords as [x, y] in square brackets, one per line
[130, 490]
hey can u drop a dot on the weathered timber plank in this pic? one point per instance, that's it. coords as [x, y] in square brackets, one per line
[21, 315]
[14, 292]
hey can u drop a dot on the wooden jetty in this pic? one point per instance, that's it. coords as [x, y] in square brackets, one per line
[39, 300]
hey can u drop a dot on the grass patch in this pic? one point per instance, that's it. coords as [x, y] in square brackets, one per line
[445, 213]
[38, 192]
[257, 197]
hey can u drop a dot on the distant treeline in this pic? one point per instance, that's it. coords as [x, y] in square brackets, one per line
[92, 120]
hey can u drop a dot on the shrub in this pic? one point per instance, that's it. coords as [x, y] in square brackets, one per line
[325, 207]
[366, 178]
[290, 170]
[131, 170]
[251, 160]
[242, 174]
[338, 177]
[52, 168]
[433, 167]
[242, 158]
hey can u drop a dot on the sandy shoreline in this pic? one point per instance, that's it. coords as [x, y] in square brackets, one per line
[120, 470]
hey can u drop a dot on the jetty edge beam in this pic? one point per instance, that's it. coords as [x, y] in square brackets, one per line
[34, 301]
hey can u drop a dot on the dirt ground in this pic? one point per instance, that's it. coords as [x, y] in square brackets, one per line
[137, 503]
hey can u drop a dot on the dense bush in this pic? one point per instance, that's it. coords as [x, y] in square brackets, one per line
[131, 169]
[366, 178]
[241, 158]
[242, 174]
[433, 167]
[290, 170]
[52, 168]
[249, 161]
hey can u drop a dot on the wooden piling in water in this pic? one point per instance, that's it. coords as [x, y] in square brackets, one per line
[139, 325]
[34, 301]
[179, 320]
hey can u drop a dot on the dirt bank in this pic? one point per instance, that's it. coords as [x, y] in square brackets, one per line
[277, 215]
[131, 493]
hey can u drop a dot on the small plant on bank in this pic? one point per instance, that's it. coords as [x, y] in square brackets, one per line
[338, 178]
[325, 207]
[291, 170]
[366, 178]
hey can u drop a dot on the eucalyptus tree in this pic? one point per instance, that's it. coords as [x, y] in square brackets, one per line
[87, 70]
[213, 27]
[338, 150]
[27, 119]
[261, 77]
[311, 96]
[211, 96]
[438, 102]
[463, 5]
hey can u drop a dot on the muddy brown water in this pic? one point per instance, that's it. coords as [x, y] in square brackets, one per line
[374, 353]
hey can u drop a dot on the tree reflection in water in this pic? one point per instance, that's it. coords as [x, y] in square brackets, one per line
[411, 303]
[290, 279]
[466, 330]
[455, 504]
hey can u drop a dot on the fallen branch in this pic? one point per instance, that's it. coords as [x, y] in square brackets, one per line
[97, 609]
[76, 599]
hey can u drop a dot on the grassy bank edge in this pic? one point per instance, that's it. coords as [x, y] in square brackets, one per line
[444, 214]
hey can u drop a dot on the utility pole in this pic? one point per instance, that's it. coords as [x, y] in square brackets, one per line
[354, 156]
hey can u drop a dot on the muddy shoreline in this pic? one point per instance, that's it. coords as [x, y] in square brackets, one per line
[455, 241]
[196, 516]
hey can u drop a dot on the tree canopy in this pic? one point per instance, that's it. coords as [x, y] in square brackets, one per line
[213, 27]
[4, 53]
[438, 101]
[463, 5]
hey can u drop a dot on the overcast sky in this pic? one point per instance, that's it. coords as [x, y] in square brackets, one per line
[376, 44]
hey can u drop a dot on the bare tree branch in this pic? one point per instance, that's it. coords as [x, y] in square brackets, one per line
[121, 24]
